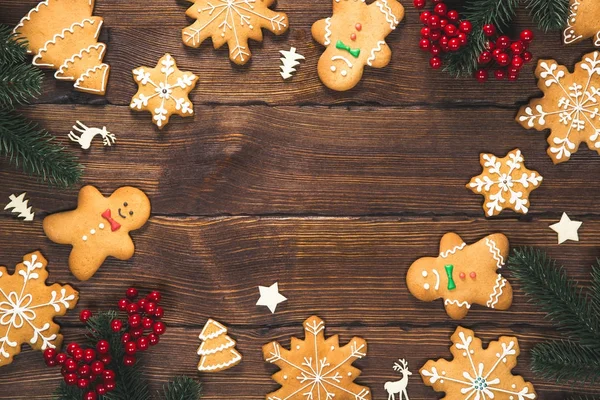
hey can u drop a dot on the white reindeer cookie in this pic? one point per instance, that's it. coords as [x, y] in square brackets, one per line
[87, 134]
[399, 387]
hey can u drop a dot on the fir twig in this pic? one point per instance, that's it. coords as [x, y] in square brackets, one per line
[182, 388]
[549, 15]
[566, 362]
[595, 289]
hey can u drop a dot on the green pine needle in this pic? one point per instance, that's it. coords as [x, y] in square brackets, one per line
[182, 388]
[549, 15]
[566, 362]
[595, 289]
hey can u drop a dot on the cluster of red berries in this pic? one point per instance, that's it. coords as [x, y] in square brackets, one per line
[443, 31]
[143, 316]
[86, 368]
[505, 55]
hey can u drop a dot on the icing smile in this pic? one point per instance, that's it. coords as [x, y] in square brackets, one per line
[121, 215]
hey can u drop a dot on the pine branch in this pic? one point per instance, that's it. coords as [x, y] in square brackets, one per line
[182, 388]
[551, 289]
[549, 15]
[566, 361]
[65, 392]
[595, 289]
[34, 150]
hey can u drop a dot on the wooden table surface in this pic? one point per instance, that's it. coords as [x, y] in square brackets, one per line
[333, 195]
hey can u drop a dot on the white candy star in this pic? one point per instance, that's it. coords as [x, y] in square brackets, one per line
[566, 229]
[270, 297]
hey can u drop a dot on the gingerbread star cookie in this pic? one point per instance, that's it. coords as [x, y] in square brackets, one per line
[355, 37]
[163, 91]
[317, 368]
[28, 307]
[569, 107]
[99, 227]
[232, 22]
[463, 275]
[583, 22]
[505, 183]
[478, 373]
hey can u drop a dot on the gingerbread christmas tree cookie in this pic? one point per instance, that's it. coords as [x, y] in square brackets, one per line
[478, 373]
[217, 351]
[355, 37]
[463, 275]
[163, 91]
[316, 367]
[569, 107]
[233, 22]
[28, 307]
[583, 22]
[505, 183]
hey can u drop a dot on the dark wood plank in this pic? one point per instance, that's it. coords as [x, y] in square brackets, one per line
[356, 161]
[156, 28]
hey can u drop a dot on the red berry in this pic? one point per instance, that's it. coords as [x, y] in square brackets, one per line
[102, 347]
[101, 389]
[496, 53]
[159, 327]
[134, 320]
[84, 371]
[440, 9]
[141, 303]
[131, 293]
[503, 42]
[462, 37]
[106, 359]
[78, 354]
[489, 30]
[420, 3]
[126, 337]
[49, 354]
[481, 75]
[108, 375]
[451, 30]
[110, 386]
[137, 332]
[154, 296]
[150, 307]
[434, 22]
[97, 367]
[517, 62]
[454, 44]
[424, 17]
[51, 362]
[517, 47]
[503, 59]
[453, 15]
[527, 56]
[153, 337]
[133, 308]
[89, 355]
[143, 343]
[499, 74]
[435, 36]
[147, 323]
[513, 76]
[485, 57]
[82, 383]
[128, 360]
[71, 347]
[123, 304]
[70, 379]
[71, 365]
[425, 32]
[465, 26]
[527, 36]
[61, 358]
[159, 313]
[116, 325]
[91, 395]
[130, 348]
[85, 315]
[435, 50]
[443, 22]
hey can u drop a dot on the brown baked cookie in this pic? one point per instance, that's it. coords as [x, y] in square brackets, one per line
[463, 275]
[217, 351]
[28, 307]
[99, 227]
[583, 22]
[355, 36]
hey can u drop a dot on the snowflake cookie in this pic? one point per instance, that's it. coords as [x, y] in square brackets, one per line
[476, 373]
[583, 22]
[317, 368]
[570, 106]
[505, 183]
[28, 306]
[232, 22]
[355, 37]
[164, 91]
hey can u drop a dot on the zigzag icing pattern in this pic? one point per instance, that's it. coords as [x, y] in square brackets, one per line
[569, 33]
[87, 74]
[222, 365]
[59, 74]
[375, 50]
[495, 252]
[458, 303]
[389, 15]
[445, 254]
[327, 31]
[496, 292]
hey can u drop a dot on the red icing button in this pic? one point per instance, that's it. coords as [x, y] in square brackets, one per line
[473, 275]
[358, 27]
[353, 36]
[462, 275]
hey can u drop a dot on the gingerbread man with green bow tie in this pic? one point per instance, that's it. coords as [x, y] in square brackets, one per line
[355, 36]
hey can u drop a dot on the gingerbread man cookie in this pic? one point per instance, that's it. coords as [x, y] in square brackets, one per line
[99, 227]
[355, 36]
[583, 22]
[463, 275]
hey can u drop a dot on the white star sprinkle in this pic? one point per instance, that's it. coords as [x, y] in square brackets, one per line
[566, 229]
[270, 297]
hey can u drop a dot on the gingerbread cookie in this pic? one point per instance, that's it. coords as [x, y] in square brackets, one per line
[99, 227]
[217, 351]
[355, 36]
[232, 22]
[583, 22]
[569, 107]
[28, 307]
[478, 373]
[317, 368]
[463, 275]
[505, 183]
[163, 91]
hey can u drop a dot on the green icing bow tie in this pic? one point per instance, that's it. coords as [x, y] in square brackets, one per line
[340, 45]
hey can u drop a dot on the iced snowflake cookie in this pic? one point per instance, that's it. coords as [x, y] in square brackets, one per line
[232, 22]
[463, 275]
[355, 36]
[505, 183]
[63, 35]
[99, 227]
[569, 107]
[163, 91]
[217, 351]
[317, 368]
[28, 307]
[478, 373]
[583, 22]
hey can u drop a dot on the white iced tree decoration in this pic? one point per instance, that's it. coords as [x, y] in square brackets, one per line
[20, 206]
[289, 62]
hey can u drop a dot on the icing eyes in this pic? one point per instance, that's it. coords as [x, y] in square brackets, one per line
[125, 204]
[131, 213]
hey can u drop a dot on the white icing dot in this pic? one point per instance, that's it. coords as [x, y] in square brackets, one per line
[465, 354]
[344, 73]
[444, 373]
[513, 386]
[426, 286]
[424, 274]
[472, 352]
[510, 397]
[84, 238]
[333, 68]
[498, 355]
[441, 381]
[251, 26]
[93, 231]
[332, 348]
[285, 377]
[349, 373]
[101, 226]
[223, 34]
[504, 361]
[297, 347]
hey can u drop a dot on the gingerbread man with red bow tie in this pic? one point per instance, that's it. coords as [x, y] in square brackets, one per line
[99, 227]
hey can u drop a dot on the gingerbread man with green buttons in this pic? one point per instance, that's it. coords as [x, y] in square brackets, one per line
[463, 275]
[99, 227]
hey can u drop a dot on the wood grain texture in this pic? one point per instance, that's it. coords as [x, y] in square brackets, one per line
[333, 195]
